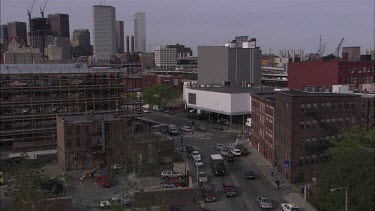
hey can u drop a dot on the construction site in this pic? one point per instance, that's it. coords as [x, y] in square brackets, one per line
[33, 95]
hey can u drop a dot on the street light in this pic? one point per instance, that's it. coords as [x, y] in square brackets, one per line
[346, 195]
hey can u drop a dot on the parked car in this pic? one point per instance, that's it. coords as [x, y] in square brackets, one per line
[167, 186]
[176, 182]
[190, 149]
[195, 155]
[202, 128]
[185, 128]
[223, 121]
[202, 177]
[208, 194]
[243, 149]
[146, 110]
[229, 189]
[103, 181]
[219, 147]
[264, 202]
[198, 163]
[122, 199]
[236, 152]
[249, 175]
[167, 174]
[289, 207]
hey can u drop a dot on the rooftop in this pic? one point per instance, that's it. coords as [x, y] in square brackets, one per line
[51, 68]
[268, 96]
[295, 93]
[89, 117]
[233, 89]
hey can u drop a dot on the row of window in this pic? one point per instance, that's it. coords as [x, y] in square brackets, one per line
[312, 159]
[314, 141]
[263, 107]
[339, 121]
[358, 69]
[354, 80]
[328, 106]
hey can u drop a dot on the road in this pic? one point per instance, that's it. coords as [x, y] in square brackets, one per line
[204, 142]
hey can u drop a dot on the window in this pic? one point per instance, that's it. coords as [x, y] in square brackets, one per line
[69, 142]
[333, 106]
[308, 107]
[315, 107]
[78, 142]
[308, 124]
[69, 130]
[302, 107]
[353, 104]
[87, 129]
[78, 129]
[192, 98]
[328, 106]
[98, 127]
[314, 124]
[322, 106]
[302, 124]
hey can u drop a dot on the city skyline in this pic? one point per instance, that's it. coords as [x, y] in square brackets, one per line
[276, 25]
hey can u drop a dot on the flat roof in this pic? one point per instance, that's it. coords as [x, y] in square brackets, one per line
[295, 93]
[268, 96]
[232, 89]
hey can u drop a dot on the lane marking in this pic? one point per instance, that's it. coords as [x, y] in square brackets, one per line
[81, 185]
[96, 185]
[123, 181]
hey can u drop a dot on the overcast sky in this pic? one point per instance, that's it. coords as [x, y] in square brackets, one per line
[277, 24]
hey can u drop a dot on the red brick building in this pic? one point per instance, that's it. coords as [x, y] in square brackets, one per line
[304, 123]
[168, 80]
[262, 117]
[81, 139]
[302, 74]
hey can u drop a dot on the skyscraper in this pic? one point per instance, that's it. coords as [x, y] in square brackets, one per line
[81, 43]
[59, 25]
[140, 32]
[4, 35]
[104, 17]
[120, 36]
[17, 31]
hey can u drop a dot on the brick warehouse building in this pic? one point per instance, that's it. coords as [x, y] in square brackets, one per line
[302, 124]
[262, 117]
[32, 95]
[81, 139]
[174, 82]
[303, 74]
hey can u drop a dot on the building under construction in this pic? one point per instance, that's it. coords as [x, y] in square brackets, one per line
[32, 95]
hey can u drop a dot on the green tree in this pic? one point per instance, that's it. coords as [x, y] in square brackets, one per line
[159, 95]
[352, 166]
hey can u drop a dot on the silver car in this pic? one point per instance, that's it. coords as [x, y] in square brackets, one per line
[264, 202]
[166, 174]
[202, 177]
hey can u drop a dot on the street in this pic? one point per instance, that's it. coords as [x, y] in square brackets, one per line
[205, 142]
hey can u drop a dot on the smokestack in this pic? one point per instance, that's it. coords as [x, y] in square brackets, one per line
[127, 44]
[132, 41]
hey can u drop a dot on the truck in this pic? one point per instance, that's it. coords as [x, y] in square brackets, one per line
[217, 164]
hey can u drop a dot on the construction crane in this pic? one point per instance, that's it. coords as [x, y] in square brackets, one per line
[323, 49]
[30, 10]
[44, 7]
[337, 52]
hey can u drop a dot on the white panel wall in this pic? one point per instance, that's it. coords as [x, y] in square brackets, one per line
[241, 102]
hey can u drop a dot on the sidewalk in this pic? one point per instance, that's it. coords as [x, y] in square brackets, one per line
[291, 193]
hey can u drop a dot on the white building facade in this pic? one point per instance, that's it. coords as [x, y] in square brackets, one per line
[165, 58]
[104, 18]
[140, 32]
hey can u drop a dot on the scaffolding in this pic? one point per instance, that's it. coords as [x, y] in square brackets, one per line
[32, 96]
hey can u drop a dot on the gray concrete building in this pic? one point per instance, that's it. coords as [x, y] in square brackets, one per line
[17, 31]
[104, 18]
[238, 66]
[59, 25]
[120, 36]
[140, 32]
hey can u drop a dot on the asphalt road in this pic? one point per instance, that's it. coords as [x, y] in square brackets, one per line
[205, 141]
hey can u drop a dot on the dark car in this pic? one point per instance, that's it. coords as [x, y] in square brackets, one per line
[229, 157]
[229, 189]
[243, 149]
[52, 186]
[189, 149]
[249, 175]
[208, 193]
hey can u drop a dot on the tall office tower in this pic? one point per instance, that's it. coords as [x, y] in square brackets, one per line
[240, 39]
[59, 25]
[127, 44]
[120, 36]
[132, 44]
[17, 31]
[4, 35]
[82, 35]
[140, 32]
[104, 31]
[65, 45]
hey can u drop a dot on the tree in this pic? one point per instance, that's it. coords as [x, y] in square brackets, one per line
[159, 95]
[352, 166]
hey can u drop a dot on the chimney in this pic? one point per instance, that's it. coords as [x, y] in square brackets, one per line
[127, 44]
[132, 42]
[345, 56]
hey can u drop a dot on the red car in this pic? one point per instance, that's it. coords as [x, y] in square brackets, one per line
[208, 193]
[103, 181]
[175, 181]
[229, 189]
